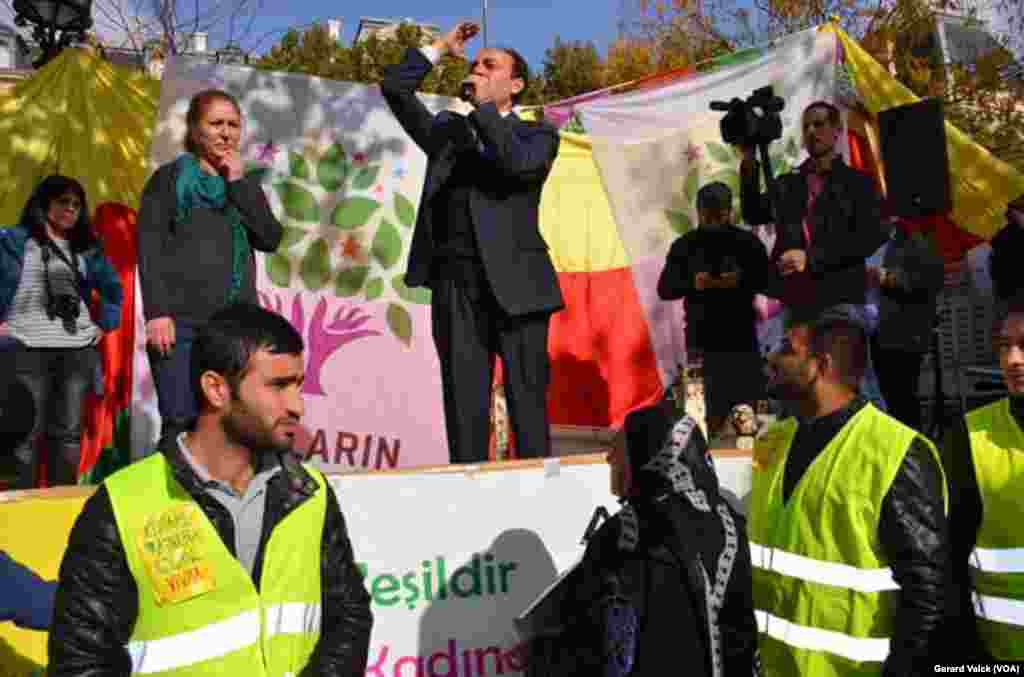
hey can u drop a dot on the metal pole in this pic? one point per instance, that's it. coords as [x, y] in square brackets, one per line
[485, 23]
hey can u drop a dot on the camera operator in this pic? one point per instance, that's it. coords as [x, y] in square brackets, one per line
[719, 268]
[827, 217]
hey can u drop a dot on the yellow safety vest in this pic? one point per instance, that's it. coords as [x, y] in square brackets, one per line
[823, 588]
[997, 563]
[199, 611]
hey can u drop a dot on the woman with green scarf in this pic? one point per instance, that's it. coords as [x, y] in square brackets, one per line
[200, 222]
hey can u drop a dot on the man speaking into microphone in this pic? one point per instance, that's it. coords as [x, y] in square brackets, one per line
[477, 243]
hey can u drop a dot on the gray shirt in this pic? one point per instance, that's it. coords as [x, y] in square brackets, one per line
[246, 509]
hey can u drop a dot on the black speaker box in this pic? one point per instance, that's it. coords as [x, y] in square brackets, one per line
[915, 158]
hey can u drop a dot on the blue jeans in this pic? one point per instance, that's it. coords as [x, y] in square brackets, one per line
[172, 377]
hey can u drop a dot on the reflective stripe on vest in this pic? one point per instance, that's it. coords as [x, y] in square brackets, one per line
[816, 639]
[999, 609]
[819, 571]
[222, 638]
[999, 560]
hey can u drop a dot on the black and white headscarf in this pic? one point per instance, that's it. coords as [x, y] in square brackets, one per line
[678, 461]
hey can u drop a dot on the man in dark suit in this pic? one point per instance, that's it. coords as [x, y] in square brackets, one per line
[477, 243]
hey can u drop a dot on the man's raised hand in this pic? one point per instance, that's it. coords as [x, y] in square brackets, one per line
[454, 41]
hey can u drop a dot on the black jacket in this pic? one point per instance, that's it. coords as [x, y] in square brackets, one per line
[185, 268]
[907, 310]
[717, 319]
[504, 201]
[97, 598]
[913, 532]
[965, 513]
[846, 228]
[1007, 273]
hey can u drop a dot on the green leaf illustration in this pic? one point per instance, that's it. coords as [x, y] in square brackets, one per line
[387, 245]
[258, 171]
[299, 203]
[333, 167]
[729, 177]
[692, 185]
[400, 323]
[297, 166]
[365, 177]
[404, 210]
[720, 153]
[374, 289]
[291, 237]
[420, 295]
[354, 212]
[279, 269]
[350, 281]
[316, 266]
[792, 148]
[680, 221]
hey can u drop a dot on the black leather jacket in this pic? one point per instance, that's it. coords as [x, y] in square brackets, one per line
[913, 532]
[97, 599]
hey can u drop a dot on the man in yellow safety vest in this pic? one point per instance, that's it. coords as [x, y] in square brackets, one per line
[222, 554]
[985, 457]
[847, 519]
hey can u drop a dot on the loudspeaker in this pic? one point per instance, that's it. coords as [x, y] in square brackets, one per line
[916, 159]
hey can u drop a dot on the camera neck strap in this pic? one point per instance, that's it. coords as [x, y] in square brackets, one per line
[46, 247]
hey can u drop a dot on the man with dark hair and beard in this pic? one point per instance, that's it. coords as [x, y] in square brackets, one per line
[223, 554]
[847, 520]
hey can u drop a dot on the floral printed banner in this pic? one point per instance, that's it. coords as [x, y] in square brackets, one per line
[345, 180]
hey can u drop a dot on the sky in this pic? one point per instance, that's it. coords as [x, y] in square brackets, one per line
[530, 26]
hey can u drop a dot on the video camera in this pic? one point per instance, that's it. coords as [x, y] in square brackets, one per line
[752, 123]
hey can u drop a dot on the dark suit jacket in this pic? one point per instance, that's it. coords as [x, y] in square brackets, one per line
[504, 202]
[846, 228]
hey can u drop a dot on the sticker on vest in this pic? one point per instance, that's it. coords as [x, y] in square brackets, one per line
[766, 450]
[171, 544]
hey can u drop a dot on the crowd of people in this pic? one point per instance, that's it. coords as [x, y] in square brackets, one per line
[864, 550]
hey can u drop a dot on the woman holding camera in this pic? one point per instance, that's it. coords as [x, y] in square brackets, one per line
[51, 267]
[200, 222]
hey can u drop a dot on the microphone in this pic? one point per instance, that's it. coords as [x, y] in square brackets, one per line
[466, 90]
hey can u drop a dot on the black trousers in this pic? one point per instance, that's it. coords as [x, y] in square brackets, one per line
[469, 329]
[59, 379]
[899, 377]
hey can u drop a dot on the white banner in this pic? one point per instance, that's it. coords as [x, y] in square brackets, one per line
[450, 558]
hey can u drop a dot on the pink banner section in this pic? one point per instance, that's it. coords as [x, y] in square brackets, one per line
[372, 402]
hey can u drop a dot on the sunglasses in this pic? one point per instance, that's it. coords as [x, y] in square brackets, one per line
[68, 203]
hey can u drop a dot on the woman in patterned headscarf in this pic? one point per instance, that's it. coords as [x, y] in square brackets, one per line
[665, 583]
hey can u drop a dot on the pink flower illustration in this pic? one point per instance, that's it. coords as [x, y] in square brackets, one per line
[693, 153]
[267, 152]
[322, 339]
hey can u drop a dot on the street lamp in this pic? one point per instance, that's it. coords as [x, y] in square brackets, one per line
[231, 53]
[485, 23]
[55, 23]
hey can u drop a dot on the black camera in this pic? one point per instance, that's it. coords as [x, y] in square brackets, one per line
[754, 122]
[64, 306]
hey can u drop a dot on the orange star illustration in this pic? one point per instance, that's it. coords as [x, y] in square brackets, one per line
[352, 248]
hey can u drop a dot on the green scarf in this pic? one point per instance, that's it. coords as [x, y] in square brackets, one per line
[196, 188]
